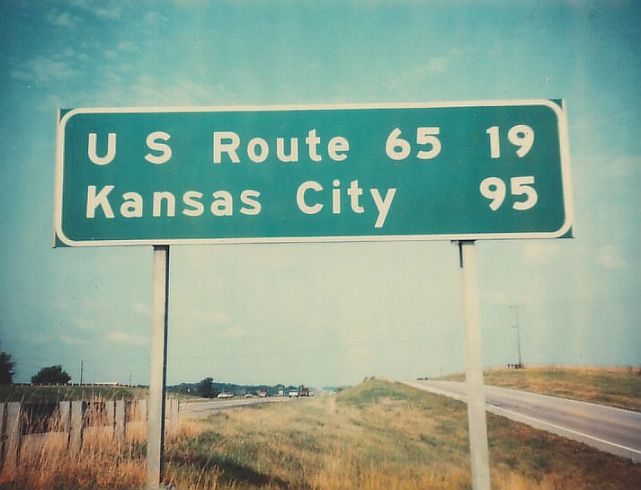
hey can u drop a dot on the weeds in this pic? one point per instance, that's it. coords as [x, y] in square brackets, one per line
[375, 436]
[617, 387]
[52, 394]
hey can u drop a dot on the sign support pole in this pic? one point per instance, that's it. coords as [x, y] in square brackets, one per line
[158, 369]
[476, 417]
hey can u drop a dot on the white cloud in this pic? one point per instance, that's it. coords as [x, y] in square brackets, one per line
[624, 165]
[209, 318]
[499, 298]
[110, 11]
[362, 357]
[502, 298]
[62, 19]
[217, 318]
[119, 337]
[615, 167]
[141, 309]
[231, 332]
[189, 3]
[539, 252]
[126, 46]
[610, 258]
[65, 339]
[150, 90]
[437, 64]
[43, 70]
[423, 72]
[83, 4]
[53, 100]
[81, 323]
[153, 18]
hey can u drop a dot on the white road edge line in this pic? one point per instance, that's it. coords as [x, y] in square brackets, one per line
[560, 427]
[516, 415]
[569, 400]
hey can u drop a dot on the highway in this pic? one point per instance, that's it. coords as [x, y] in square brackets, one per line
[199, 409]
[608, 429]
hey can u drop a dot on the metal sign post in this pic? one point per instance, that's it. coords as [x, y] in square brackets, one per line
[477, 424]
[158, 370]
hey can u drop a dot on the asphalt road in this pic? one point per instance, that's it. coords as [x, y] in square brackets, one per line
[199, 409]
[608, 429]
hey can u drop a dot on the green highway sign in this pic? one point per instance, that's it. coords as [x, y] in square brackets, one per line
[443, 171]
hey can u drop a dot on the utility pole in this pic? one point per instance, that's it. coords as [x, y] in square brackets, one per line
[517, 325]
[82, 369]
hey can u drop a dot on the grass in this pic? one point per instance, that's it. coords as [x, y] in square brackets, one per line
[48, 394]
[617, 387]
[375, 436]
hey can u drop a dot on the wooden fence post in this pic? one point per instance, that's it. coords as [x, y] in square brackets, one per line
[174, 415]
[110, 409]
[12, 430]
[120, 421]
[77, 425]
[64, 410]
[142, 409]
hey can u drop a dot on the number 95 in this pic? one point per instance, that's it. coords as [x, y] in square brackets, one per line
[494, 188]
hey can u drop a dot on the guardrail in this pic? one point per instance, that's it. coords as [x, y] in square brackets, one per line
[68, 423]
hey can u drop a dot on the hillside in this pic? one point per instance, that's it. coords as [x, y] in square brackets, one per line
[616, 387]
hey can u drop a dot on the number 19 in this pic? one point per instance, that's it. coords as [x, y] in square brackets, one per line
[519, 135]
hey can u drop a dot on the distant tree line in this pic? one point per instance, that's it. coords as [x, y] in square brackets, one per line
[51, 375]
[208, 388]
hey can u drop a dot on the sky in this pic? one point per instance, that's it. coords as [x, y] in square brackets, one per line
[321, 313]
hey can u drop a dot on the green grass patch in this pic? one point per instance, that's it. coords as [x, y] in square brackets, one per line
[372, 391]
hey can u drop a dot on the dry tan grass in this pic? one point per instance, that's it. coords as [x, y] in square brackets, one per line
[314, 444]
[100, 463]
[376, 436]
[618, 387]
[614, 386]
[45, 461]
